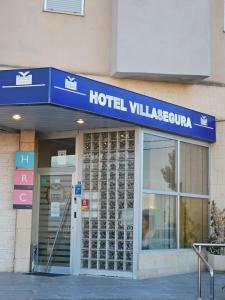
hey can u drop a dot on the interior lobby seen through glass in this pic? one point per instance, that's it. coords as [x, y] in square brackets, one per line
[193, 221]
[169, 209]
[194, 169]
[158, 222]
[55, 153]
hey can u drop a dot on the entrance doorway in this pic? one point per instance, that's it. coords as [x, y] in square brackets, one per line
[56, 166]
[54, 234]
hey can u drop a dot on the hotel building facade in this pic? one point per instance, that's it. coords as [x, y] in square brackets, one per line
[112, 122]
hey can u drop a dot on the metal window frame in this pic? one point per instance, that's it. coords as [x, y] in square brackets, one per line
[137, 197]
[178, 194]
[81, 14]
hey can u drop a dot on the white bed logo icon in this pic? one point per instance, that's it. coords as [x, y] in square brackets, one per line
[24, 78]
[70, 83]
[204, 121]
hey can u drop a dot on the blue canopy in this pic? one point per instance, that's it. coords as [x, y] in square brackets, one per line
[49, 86]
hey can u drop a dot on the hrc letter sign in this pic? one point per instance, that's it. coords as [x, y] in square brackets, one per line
[25, 160]
[23, 180]
[22, 199]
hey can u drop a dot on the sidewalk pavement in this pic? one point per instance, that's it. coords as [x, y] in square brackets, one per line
[14, 286]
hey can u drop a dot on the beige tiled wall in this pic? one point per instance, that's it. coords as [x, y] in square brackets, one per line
[9, 144]
[166, 262]
[217, 174]
[15, 225]
[24, 217]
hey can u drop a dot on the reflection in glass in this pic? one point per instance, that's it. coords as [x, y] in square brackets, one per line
[95, 146]
[131, 144]
[193, 221]
[96, 137]
[194, 169]
[56, 153]
[87, 147]
[160, 163]
[158, 222]
[113, 145]
[87, 137]
[102, 265]
[95, 157]
[103, 155]
[113, 136]
[85, 263]
[113, 156]
[55, 220]
[122, 155]
[104, 136]
[122, 135]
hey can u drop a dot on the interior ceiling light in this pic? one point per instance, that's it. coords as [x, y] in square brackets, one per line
[16, 117]
[80, 121]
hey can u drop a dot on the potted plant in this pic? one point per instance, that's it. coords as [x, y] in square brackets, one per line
[216, 256]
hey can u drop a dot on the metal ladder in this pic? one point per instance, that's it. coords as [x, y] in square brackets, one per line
[57, 233]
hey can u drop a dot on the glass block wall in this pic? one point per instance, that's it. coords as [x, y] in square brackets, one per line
[108, 183]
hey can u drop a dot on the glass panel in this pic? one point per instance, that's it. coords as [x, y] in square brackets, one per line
[194, 169]
[158, 222]
[109, 185]
[160, 163]
[193, 221]
[54, 221]
[56, 153]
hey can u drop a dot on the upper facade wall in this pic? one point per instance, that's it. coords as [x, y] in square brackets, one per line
[31, 37]
[146, 39]
[161, 40]
[218, 41]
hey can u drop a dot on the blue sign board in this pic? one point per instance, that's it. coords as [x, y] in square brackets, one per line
[78, 189]
[52, 86]
[24, 86]
[88, 95]
[25, 160]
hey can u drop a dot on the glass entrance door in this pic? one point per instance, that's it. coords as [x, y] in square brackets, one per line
[53, 250]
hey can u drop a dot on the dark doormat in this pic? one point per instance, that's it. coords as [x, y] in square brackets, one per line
[44, 274]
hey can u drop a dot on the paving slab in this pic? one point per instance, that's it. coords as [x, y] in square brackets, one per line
[16, 286]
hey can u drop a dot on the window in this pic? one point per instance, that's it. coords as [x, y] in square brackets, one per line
[193, 221]
[174, 215]
[160, 163]
[194, 169]
[65, 6]
[56, 153]
[158, 222]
